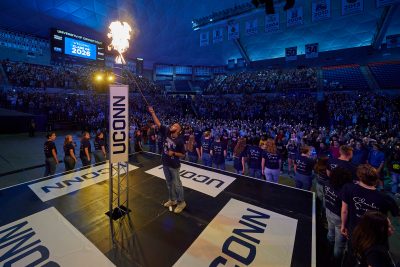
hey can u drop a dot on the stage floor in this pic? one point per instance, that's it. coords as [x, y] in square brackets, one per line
[229, 219]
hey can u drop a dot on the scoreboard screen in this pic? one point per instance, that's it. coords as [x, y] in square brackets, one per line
[66, 44]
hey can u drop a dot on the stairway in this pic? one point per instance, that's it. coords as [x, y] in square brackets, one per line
[372, 84]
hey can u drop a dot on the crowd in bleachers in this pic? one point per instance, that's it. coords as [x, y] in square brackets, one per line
[264, 81]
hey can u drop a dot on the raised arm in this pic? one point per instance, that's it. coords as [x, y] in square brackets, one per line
[154, 116]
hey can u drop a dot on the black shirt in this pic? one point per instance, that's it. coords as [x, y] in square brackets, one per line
[254, 156]
[218, 149]
[271, 160]
[377, 256]
[333, 202]
[333, 163]
[85, 143]
[48, 147]
[206, 145]
[173, 144]
[304, 165]
[360, 200]
[98, 143]
[67, 149]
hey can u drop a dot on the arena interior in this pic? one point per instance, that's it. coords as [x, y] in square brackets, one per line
[200, 133]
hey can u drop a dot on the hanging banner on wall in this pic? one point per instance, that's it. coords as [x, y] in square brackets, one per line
[218, 35]
[233, 31]
[291, 53]
[294, 17]
[352, 6]
[312, 50]
[272, 23]
[320, 10]
[204, 38]
[381, 3]
[252, 27]
[393, 41]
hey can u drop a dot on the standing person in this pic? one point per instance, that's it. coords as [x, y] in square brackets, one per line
[253, 156]
[393, 165]
[69, 152]
[193, 149]
[205, 149]
[360, 154]
[292, 154]
[376, 159]
[85, 149]
[303, 168]
[138, 141]
[218, 153]
[271, 162]
[173, 150]
[370, 241]
[281, 150]
[333, 205]
[50, 153]
[322, 178]
[152, 138]
[238, 151]
[99, 148]
[343, 161]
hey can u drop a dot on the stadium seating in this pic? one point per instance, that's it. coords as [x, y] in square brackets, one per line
[346, 77]
[386, 74]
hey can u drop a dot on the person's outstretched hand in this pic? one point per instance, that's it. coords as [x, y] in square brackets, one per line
[150, 109]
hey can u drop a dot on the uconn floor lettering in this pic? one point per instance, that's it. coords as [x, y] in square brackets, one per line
[253, 223]
[20, 246]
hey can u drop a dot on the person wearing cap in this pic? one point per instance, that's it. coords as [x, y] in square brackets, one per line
[173, 150]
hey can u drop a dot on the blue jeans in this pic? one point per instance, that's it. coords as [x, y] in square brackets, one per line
[207, 160]
[256, 173]
[99, 156]
[50, 167]
[69, 163]
[320, 193]
[193, 158]
[271, 175]
[395, 182]
[152, 148]
[303, 181]
[220, 166]
[174, 184]
[334, 235]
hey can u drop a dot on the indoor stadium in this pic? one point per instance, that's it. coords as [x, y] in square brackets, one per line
[157, 133]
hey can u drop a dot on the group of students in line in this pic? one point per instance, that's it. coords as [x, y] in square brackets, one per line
[70, 157]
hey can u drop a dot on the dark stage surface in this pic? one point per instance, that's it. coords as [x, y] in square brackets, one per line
[230, 219]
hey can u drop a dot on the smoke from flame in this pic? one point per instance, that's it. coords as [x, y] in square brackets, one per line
[120, 36]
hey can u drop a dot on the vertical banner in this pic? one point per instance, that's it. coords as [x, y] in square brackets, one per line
[381, 3]
[352, 6]
[291, 53]
[312, 50]
[272, 23]
[204, 38]
[320, 10]
[393, 41]
[251, 27]
[119, 123]
[233, 31]
[294, 17]
[218, 35]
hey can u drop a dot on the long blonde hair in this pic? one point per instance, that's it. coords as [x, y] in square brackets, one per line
[240, 146]
[270, 146]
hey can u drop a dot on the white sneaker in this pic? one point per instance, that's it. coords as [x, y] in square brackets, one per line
[180, 207]
[170, 203]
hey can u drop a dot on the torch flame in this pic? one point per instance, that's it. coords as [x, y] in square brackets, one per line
[120, 36]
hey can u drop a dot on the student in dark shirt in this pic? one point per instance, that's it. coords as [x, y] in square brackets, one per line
[238, 152]
[271, 161]
[69, 152]
[99, 148]
[292, 154]
[138, 141]
[360, 154]
[333, 204]
[50, 153]
[253, 156]
[303, 167]
[192, 149]
[281, 150]
[152, 138]
[370, 241]
[344, 161]
[173, 150]
[218, 153]
[85, 149]
[205, 148]
[393, 165]
[322, 178]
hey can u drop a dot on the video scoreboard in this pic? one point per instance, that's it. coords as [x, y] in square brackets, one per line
[67, 44]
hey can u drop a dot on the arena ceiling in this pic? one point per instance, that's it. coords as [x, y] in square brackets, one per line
[164, 31]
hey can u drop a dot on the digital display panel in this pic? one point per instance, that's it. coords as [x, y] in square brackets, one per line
[78, 48]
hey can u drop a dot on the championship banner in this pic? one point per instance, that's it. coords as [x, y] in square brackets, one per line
[233, 31]
[393, 41]
[46, 238]
[218, 35]
[291, 53]
[204, 38]
[294, 17]
[119, 123]
[272, 23]
[312, 50]
[352, 6]
[320, 10]
[242, 234]
[251, 27]
[381, 3]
